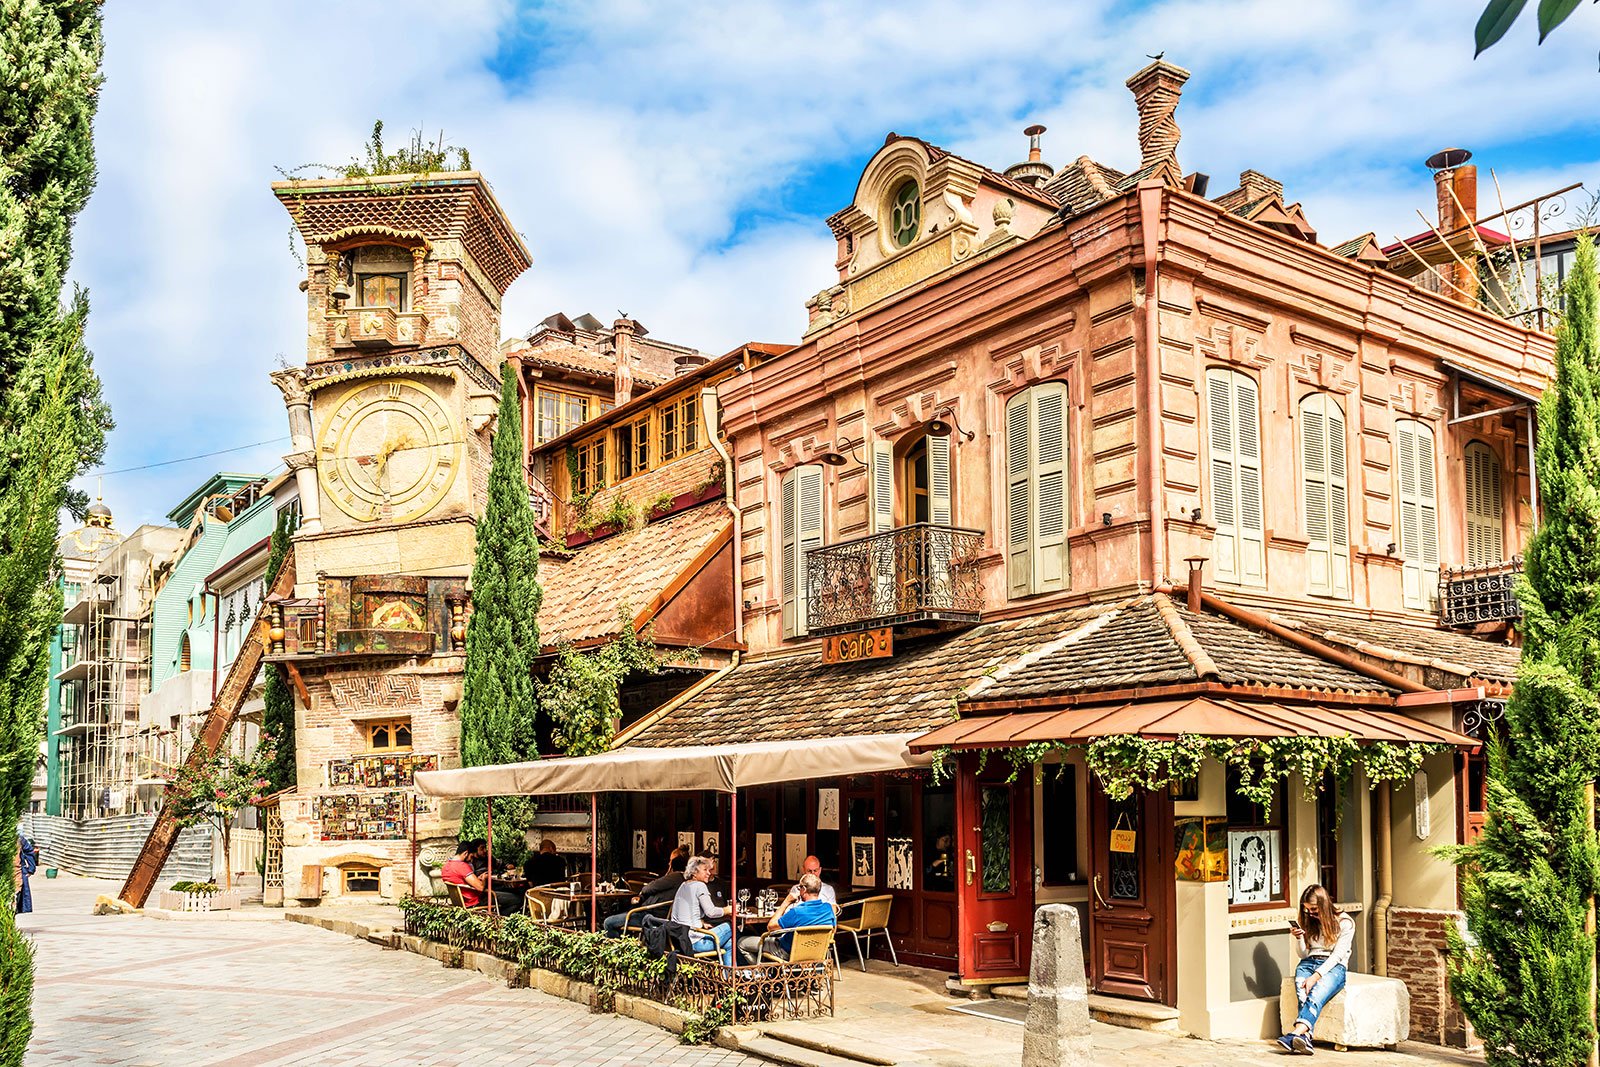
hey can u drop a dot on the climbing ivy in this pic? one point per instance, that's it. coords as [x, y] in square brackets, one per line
[1125, 762]
[581, 693]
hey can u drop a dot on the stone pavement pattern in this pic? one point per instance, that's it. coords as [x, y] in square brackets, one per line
[137, 990]
[130, 990]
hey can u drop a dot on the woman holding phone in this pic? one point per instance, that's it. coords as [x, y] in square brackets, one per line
[1323, 938]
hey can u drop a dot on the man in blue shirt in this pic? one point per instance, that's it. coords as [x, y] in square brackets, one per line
[803, 907]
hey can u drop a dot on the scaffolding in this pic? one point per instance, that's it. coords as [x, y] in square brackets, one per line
[104, 674]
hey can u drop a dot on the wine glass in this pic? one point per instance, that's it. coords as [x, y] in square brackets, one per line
[744, 898]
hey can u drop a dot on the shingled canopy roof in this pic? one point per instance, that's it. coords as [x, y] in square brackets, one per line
[1457, 656]
[1141, 642]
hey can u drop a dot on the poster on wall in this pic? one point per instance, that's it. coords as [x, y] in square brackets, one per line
[764, 857]
[686, 840]
[863, 861]
[827, 809]
[1202, 849]
[640, 851]
[898, 857]
[794, 854]
[711, 844]
[1252, 866]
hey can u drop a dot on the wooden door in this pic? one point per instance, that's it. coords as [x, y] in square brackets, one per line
[1132, 897]
[995, 886]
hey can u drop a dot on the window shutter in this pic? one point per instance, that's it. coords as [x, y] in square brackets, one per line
[939, 480]
[1224, 495]
[1019, 531]
[1485, 508]
[788, 519]
[1419, 512]
[1050, 488]
[1252, 521]
[1324, 481]
[1338, 500]
[882, 486]
[808, 534]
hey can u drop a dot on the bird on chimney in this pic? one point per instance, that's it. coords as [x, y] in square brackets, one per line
[1158, 55]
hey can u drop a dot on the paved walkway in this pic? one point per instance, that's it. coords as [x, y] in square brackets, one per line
[139, 990]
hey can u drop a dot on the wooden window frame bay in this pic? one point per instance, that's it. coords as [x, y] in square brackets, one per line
[394, 724]
[1038, 486]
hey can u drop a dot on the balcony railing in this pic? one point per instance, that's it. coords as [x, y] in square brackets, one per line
[917, 573]
[1470, 595]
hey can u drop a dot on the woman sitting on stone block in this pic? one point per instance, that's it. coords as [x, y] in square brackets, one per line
[1323, 938]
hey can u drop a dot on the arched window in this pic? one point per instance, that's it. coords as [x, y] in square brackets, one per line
[1324, 481]
[1233, 406]
[1036, 490]
[1418, 512]
[183, 654]
[905, 213]
[1485, 507]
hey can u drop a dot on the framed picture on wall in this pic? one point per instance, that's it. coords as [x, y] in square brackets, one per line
[863, 861]
[764, 856]
[794, 852]
[1252, 866]
[711, 844]
[686, 840]
[639, 849]
[827, 809]
[898, 857]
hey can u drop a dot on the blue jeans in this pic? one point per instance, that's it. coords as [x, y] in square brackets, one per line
[1325, 990]
[724, 942]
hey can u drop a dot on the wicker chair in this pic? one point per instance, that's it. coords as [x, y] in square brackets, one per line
[871, 917]
[810, 944]
[633, 920]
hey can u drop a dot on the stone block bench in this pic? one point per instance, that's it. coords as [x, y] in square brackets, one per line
[1369, 1012]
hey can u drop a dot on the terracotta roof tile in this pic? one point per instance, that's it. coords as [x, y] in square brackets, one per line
[1456, 654]
[584, 594]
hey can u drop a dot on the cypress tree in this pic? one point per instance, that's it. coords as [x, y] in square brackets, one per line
[497, 697]
[1523, 978]
[277, 713]
[52, 420]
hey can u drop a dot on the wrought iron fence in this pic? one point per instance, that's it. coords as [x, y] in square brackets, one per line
[1470, 595]
[908, 574]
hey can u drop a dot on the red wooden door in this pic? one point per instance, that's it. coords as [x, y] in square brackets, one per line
[1132, 897]
[994, 820]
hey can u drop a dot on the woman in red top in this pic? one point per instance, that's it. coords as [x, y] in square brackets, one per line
[458, 872]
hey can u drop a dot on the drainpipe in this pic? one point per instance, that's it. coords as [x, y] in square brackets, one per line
[1384, 861]
[1149, 214]
[711, 419]
[216, 609]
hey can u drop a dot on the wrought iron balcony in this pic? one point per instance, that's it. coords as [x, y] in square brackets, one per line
[917, 573]
[1470, 595]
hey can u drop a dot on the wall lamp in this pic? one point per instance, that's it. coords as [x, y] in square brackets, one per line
[941, 427]
[844, 455]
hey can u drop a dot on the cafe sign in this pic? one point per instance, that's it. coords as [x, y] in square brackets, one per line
[866, 644]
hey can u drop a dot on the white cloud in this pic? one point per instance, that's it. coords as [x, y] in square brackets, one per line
[646, 151]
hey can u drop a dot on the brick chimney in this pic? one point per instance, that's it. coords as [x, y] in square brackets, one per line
[622, 332]
[1455, 184]
[1156, 89]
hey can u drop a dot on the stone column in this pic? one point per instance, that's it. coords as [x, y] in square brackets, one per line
[1057, 1031]
[302, 457]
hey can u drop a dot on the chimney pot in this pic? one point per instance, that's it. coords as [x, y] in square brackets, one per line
[1033, 133]
[1155, 90]
[1196, 581]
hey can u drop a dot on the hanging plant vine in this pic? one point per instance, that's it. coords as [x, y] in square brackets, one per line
[581, 693]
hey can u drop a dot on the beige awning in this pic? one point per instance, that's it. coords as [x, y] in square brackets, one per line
[723, 768]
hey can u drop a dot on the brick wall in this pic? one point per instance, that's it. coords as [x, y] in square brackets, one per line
[1416, 956]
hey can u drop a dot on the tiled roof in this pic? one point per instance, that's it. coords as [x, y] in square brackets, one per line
[584, 594]
[1077, 185]
[1452, 653]
[1146, 641]
[1156, 641]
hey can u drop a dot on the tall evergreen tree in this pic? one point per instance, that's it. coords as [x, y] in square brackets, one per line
[277, 712]
[1524, 978]
[497, 697]
[52, 420]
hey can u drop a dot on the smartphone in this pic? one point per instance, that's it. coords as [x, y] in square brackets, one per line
[1295, 927]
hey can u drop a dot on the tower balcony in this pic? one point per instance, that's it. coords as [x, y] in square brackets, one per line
[922, 574]
[378, 327]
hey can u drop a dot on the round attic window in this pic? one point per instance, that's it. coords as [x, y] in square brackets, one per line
[905, 214]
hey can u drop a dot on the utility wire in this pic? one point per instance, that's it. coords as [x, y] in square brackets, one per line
[189, 459]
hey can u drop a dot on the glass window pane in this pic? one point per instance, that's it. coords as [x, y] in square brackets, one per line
[1125, 882]
[994, 813]
[1060, 818]
[380, 290]
[939, 838]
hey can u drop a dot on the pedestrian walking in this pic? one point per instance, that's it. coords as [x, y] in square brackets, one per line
[27, 863]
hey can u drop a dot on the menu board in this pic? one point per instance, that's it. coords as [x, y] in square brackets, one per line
[380, 772]
[362, 816]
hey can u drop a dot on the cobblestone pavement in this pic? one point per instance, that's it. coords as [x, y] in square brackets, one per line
[138, 990]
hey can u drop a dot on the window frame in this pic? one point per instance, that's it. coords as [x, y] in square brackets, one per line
[590, 472]
[363, 871]
[1417, 591]
[559, 422]
[1278, 820]
[1249, 542]
[1030, 491]
[899, 204]
[1334, 568]
[399, 277]
[370, 728]
[800, 501]
[1488, 525]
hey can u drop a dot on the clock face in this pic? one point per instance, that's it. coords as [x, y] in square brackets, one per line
[388, 451]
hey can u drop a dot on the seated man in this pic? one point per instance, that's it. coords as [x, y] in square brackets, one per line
[458, 871]
[806, 909]
[507, 901]
[813, 866]
[663, 888]
[545, 867]
[693, 907]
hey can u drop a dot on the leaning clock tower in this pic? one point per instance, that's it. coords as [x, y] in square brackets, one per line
[391, 421]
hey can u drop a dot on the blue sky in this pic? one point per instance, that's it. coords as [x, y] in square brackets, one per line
[678, 160]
